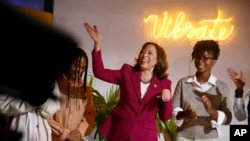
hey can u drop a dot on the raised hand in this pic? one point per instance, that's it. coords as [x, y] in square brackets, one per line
[95, 35]
[237, 78]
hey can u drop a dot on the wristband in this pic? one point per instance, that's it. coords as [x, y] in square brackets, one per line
[239, 93]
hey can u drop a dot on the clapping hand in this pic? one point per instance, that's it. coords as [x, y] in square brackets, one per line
[188, 113]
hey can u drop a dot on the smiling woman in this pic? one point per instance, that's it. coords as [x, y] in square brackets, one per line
[201, 100]
[133, 118]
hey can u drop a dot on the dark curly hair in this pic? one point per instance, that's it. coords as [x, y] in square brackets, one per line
[210, 46]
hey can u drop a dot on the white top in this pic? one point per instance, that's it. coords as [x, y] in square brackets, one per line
[144, 88]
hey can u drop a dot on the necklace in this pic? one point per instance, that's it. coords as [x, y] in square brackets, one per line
[147, 81]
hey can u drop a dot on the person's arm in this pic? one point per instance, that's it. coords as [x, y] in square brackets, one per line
[108, 75]
[51, 106]
[218, 117]
[248, 106]
[167, 114]
[179, 113]
[90, 112]
[166, 108]
[58, 129]
[209, 108]
[49, 109]
[177, 105]
[95, 35]
[87, 124]
[14, 106]
[238, 107]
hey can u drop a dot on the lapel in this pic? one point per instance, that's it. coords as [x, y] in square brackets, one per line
[136, 82]
[151, 89]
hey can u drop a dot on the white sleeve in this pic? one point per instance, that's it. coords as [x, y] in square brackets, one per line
[175, 112]
[14, 106]
[239, 109]
[220, 120]
[51, 106]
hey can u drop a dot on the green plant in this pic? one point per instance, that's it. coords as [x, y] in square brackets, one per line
[167, 128]
[104, 104]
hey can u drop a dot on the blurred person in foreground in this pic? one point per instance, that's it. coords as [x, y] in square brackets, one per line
[29, 120]
[32, 56]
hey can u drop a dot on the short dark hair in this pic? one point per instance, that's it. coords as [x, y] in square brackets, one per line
[211, 46]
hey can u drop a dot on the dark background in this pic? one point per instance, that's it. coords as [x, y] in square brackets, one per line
[42, 5]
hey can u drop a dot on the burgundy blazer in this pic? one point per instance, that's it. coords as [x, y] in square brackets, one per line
[133, 118]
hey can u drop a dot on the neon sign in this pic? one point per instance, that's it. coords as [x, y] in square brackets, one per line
[217, 29]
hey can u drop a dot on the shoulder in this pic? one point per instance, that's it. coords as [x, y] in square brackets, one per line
[185, 78]
[222, 87]
[166, 80]
[221, 83]
[185, 81]
[127, 67]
